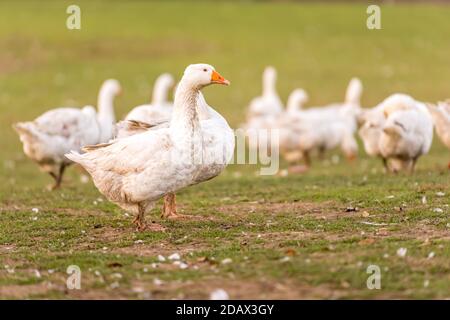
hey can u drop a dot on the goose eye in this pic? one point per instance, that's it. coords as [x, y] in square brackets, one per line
[205, 70]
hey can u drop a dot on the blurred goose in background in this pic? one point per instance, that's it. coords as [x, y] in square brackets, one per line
[296, 101]
[160, 108]
[136, 171]
[441, 118]
[372, 122]
[346, 111]
[264, 111]
[291, 127]
[50, 136]
[339, 123]
[269, 103]
[407, 132]
[303, 131]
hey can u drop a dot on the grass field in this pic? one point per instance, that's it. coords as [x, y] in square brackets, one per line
[287, 237]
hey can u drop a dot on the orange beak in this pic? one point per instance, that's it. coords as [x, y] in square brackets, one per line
[217, 78]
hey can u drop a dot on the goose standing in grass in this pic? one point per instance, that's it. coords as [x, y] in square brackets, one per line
[407, 132]
[441, 118]
[160, 108]
[338, 122]
[49, 137]
[209, 119]
[136, 171]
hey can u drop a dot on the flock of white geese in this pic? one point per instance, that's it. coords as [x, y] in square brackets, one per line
[151, 154]
[398, 130]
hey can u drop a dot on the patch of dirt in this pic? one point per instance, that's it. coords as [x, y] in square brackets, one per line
[23, 291]
[324, 210]
[7, 248]
[421, 232]
[243, 289]
[108, 234]
[236, 289]
[275, 238]
[163, 248]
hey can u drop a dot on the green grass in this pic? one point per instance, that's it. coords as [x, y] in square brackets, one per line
[255, 221]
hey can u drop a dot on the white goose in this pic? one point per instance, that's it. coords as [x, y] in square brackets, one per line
[303, 131]
[211, 122]
[346, 111]
[50, 136]
[264, 111]
[160, 109]
[441, 117]
[136, 171]
[407, 132]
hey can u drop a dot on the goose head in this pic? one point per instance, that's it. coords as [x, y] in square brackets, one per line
[111, 87]
[201, 75]
[165, 79]
[296, 100]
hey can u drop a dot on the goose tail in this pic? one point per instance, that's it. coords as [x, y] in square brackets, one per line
[26, 131]
[75, 157]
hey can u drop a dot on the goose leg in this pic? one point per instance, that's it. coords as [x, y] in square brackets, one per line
[57, 177]
[170, 208]
[139, 220]
[52, 186]
[62, 168]
[413, 165]
[385, 164]
[166, 206]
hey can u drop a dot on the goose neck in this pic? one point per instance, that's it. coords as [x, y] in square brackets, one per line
[185, 116]
[106, 105]
[160, 93]
[106, 116]
[269, 81]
